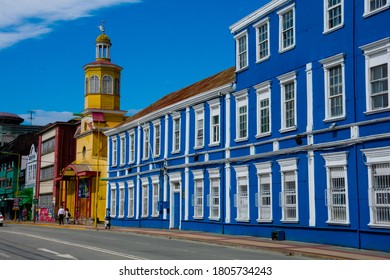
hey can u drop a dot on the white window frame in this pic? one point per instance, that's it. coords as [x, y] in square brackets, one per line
[282, 31]
[289, 198]
[336, 200]
[376, 54]
[241, 198]
[242, 56]
[264, 176]
[157, 138]
[132, 147]
[113, 200]
[107, 84]
[156, 196]
[263, 92]
[122, 154]
[198, 196]
[328, 64]
[121, 212]
[378, 164]
[145, 198]
[199, 126]
[94, 85]
[367, 8]
[262, 43]
[130, 199]
[146, 142]
[114, 151]
[328, 13]
[176, 133]
[242, 102]
[284, 80]
[215, 128]
[214, 197]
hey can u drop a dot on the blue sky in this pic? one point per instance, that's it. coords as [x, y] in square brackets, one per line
[163, 46]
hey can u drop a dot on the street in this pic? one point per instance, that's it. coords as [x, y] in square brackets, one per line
[26, 242]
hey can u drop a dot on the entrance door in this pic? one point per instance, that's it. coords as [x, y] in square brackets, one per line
[175, 207]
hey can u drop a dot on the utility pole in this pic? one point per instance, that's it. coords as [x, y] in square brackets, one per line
[31, 116]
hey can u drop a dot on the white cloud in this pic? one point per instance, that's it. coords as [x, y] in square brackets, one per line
[25, 19]
[41, 117]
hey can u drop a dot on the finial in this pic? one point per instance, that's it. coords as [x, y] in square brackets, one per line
[101, 27]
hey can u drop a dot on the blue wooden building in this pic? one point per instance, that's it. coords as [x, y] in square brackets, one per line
[293, 142]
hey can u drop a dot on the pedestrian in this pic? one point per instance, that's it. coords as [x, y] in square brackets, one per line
[61, 213]
[25, 214]
[67, 216]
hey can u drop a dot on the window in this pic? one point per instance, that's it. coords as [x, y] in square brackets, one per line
[122, 150]
[241, 115]
[262, 40]
[48, 146]
[94, 86]
[121, 213]
[146, 144]
[199, 126]
[116, 86]
[145, 197]
[242, 50]
[214, 196]
[131, 147]
[289, 193]
[377, 56]
[263, 91]
[176, 134]
[334, 86]
[242, 193]
[264, 195]
[130, 195]
[107, 84]
[333, 17]
[288, 98]
[375, 6]
[156, 192]
[157, 139]
[214, 122]
[337, 187]
[113, 200]
[114, 152]
[379, 185]
[198, 194]
[47, 173]
[287, 28]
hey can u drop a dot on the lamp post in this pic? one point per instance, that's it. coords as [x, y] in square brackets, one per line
[97, 174]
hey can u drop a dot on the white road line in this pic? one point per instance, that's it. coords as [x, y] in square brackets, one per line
[5, 255]
[65, 256]
[83, 246]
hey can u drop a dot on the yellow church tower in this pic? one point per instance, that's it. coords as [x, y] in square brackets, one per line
[83, 187]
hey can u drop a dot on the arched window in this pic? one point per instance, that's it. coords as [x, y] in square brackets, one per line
[84, 152]
[116, 86]
[107, 84]
[94, 87]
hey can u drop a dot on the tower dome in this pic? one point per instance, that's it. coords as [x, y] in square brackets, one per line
[103, 38]
[103, 44]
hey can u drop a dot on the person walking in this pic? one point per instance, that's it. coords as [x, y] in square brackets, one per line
[61, 213]
[67, 216]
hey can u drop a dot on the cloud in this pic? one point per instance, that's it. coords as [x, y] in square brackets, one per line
[25, 19]
[41, 117]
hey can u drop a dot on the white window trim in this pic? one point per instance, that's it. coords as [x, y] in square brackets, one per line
[198, 178]
[113, 200]
[199, 115]
[264, 168]
[330, 62]
[281, 13]
[156, 150]
[367, 11]
[257, 26]
[375, 156]
[156, 198]
[145, 198]
[121, 200]
[122, 153]
[146, 142]
[132, 152]
[263, 91]
[237, 38]
[376, 53]
[213, 175]
[326, 18]
[289, 165]
[176, 117]
[130, 206]
[290, 77]
[242, 173]
[114, 151]
[338, 159]
[241, 100]
[215, 110]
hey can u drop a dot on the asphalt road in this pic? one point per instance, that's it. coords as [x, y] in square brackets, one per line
[23, 242]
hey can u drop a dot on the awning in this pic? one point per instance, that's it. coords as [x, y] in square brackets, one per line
[98, 117]
[78, 170]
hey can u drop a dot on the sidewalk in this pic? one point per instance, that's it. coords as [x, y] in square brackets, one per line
[319, 251]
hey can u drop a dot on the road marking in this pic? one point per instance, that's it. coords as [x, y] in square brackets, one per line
[83, 246]
[5, 255]
[65, 256]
